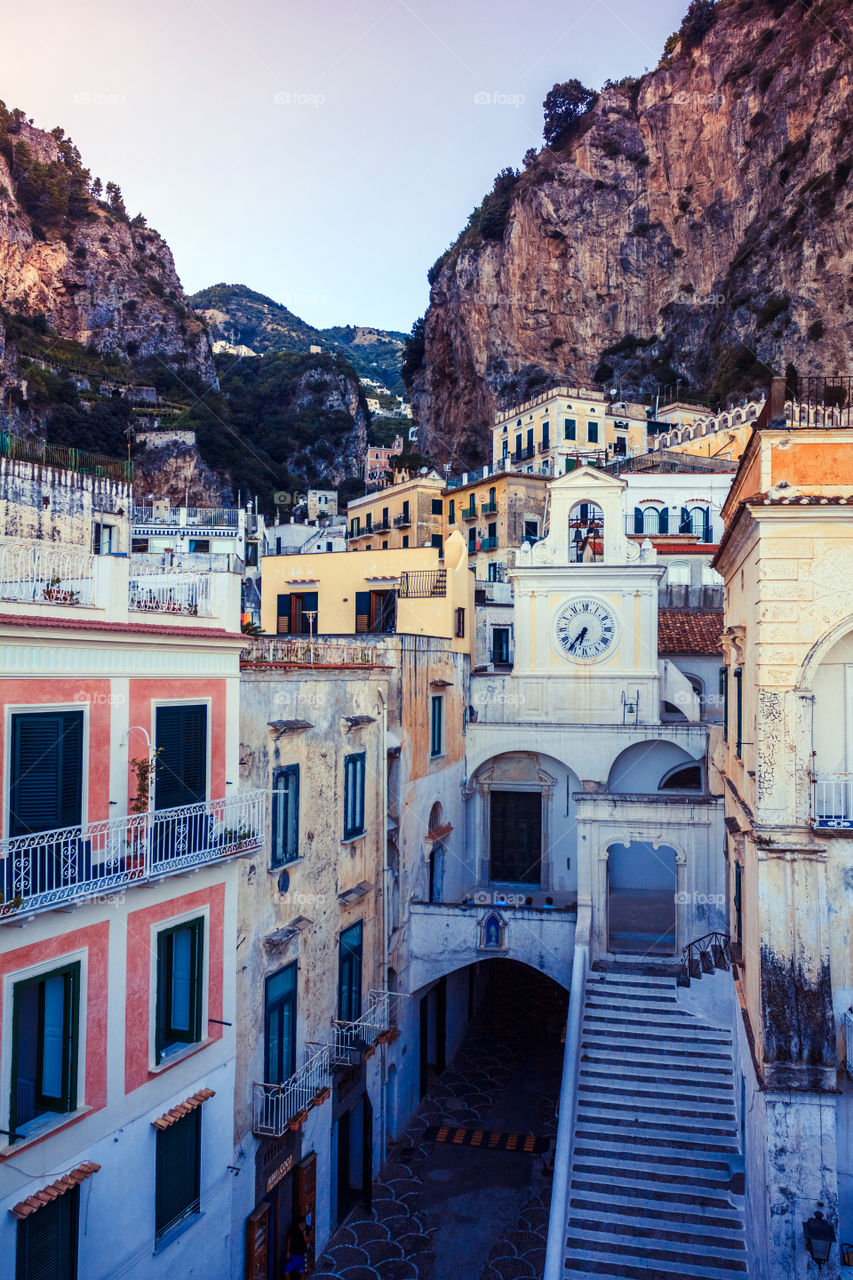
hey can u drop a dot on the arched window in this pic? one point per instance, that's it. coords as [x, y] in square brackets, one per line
[651, 519]
[684, 777]
[710, 577]
[678, 573]
[696, 520]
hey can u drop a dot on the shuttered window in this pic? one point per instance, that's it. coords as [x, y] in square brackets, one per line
[353, 795]
[570, 428]
[285, 816]
[516, 836]
[178, 1178]
[349, 977]
[46, 1247]
[45, 1048]
[180, 956]
[362, 610]
[724, 691]
[738, 675]
[282, 610]
[280, 1025]
[181, 741]
[436, 735]
[46, 784]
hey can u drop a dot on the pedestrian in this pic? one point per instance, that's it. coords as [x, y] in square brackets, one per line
[294, 1263]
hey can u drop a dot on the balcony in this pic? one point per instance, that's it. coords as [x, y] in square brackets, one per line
[489, 508]
[64, 457]
[188, 517]
[402, 521]
[529, 451]
[545, 446]
[469, 512]
[37, 572]
[278, 1107]
[170, 593]
[296, 651]
[832, 801]
[49, 869]
[423, 584]
[488, 544]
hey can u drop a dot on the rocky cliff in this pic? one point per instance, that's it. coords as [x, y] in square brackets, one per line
[697, 224]
[97, 277]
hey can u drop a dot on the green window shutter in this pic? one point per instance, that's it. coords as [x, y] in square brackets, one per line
[362, 610]
[46, 1246]
[178, 1171]
[45, 1045]
[353, 795]
[349, 978]
[181, 740]
[285, 816]
[46, 784]
[546, 434]
[592, 432]
[724, 690]
[570, 428]
[436, 725]
[739, 710]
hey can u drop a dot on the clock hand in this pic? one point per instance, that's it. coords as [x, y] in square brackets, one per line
[580, 635]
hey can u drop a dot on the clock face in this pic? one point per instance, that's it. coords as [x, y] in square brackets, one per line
[585, 629]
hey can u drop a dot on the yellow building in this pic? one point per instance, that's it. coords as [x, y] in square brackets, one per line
[543, 435]
[411, 592]
[409, 514]
[705, 435]
[495, 513]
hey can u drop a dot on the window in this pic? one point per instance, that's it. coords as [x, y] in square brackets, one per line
[368, 522]
[516, 836]
[405, 539]
[436, 725]
[46, 781]
[435, 541]
[178, 1178]
[285, 816]
[102, 539]
[592, 432]
[493, 531]
[570, 429]
[492, 571]
[406, 510]
[199, 546]
[353, 795]
[546, 435]
[531, 529]
[437, 507]
[678, 573]
[180, 957]
[280, 1025]
[472, 540]
[384, 517]
[724, 694]
[349, 973]
[46, 1247]
[684, 777]
[460, 624]
[181, 741]
[738, 675]
[500, 644]
[45, 1013]
[451, 511]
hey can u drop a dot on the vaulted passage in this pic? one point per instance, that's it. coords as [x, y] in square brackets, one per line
[465, 1192]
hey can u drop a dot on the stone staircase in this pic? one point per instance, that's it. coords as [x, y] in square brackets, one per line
[656, 1189]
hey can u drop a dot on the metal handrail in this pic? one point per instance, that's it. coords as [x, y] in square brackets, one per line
[704, 955]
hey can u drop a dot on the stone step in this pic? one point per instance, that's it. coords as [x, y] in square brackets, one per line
[589, 1262]
[595, 1066]
[615, 1101]
[658, 1142]
[703, 1165]
[709, 1195]
[631, 1055]
[716, 1217]
[678, 1173]
[634, 1033]
[650, 1121]
[651, 1001]
[675, 1020]
[635, 986]
[637, 1249]
[726, 1240]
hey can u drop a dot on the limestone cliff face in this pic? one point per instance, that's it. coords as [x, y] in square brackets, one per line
[700, 221]
[96, 278]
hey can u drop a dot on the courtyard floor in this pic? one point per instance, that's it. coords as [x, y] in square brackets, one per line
[445, 1210]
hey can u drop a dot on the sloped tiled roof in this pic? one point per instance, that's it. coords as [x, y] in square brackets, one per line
[54, 1190]
[689, 630]
[183, 1109]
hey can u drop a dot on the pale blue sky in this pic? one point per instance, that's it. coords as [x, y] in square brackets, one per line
[323, 153]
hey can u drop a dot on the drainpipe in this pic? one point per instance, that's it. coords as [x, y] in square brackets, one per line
[383, 812]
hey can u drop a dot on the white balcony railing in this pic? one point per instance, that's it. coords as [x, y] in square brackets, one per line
[275, 1106]
[38, 572]
[185, 593]
[188, 517]
[832, 804]
[48, 869]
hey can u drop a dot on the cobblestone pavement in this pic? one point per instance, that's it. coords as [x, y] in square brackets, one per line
[455, 1213]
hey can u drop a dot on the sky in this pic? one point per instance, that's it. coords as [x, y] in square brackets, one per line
[324, 153]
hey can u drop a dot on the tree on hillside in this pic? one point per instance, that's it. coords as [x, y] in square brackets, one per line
[413, 357]
[564, 106]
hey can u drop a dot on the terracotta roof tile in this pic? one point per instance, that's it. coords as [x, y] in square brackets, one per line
[689, 630]
[54, 1190]
[183, 1109]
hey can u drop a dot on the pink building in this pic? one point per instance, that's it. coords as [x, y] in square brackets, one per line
[376, 462]
[122, 831]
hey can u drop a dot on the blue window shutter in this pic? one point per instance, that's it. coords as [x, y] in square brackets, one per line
[685, 525]
[663, 520]
[282, 613]
[47, 771]
[638, 520]
[362, 610]
[46, 1245]
[181, 740]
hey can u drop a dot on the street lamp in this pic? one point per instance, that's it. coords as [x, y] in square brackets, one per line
[820, 1237]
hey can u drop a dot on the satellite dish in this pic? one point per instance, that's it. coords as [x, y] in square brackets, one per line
[423, 471]
[614, 391]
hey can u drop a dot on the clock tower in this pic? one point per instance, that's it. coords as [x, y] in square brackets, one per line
[586, 609]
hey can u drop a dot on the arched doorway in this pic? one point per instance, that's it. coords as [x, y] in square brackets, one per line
[641, 899]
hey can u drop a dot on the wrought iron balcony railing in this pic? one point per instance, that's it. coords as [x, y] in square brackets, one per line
[36, 572]
[832, 801]
[469, 512]
[488, 544]
[49, 869]
[402, 521]
[170, 593]
[421, 584]
[489, 508]
[275, 1107]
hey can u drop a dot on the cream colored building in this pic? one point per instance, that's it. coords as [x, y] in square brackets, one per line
[787, 761]
[408, 514]
[549, 433]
